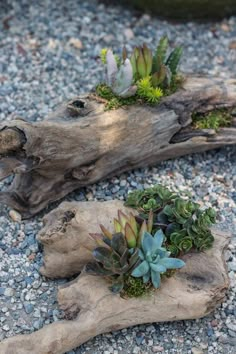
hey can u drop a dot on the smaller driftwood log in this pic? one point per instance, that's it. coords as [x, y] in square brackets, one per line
[80, 144]
[91, 309]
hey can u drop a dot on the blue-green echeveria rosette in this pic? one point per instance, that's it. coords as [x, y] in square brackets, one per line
[154, 259]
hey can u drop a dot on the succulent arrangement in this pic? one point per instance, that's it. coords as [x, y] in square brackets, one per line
[144, 75]
[131, 252]
[183, 222]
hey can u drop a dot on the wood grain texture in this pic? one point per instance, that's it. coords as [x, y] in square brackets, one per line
[91, 309]
[80, 144]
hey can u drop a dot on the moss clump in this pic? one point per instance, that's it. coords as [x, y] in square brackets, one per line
[212, 120]
[112, 101]
[134, 287]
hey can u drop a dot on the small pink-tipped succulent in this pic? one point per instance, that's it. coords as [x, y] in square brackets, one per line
[120, 79]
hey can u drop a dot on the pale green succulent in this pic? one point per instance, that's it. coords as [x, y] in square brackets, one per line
[155, 259]
[120, 79]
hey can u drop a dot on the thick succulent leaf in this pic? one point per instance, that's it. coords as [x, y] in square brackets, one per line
[158, 267]
[159, 238]
[98, 238]
[111, 68]
[141, 65]
[124, 54]
[118, 285]
[96, 269]
[123, 219]
[140, 270]
[103, 255]
[124, 78]
[160, 53]
[162, 218]
[147, 53]
[105, 232]
[117, 226]
[124, 257]
[148, 244]
[173, 59]
[130, 236]
[150, 221]
[171, 228]
[133, 223]
[141, 255]
[156, 279]
[168, 210]
[134, 258]
[172, 263]
[142, 230]
[158, 77]
[146, 277]
[118, 243]
[131, 91]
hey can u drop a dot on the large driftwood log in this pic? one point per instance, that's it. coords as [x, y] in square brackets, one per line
[91, 309]
[80, 144]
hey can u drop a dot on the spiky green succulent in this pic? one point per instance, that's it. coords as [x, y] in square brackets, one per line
[184, 223]
[155, 259]
[141, 61]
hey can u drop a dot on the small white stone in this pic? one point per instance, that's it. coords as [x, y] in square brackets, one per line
[15, 216]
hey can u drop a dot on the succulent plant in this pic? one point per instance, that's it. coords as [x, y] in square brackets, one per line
[120, 78]
[185, 225]
[164, 70]
[155, 259]
[114, 259]
[141, 61]
[130, 228]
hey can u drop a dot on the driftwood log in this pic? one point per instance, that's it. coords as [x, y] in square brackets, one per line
[80, 144]
[91, 309]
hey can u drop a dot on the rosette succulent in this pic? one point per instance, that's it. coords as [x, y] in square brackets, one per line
[184, 223]
[141, 61]
[115, 259]
[120, 78]
[155, 259]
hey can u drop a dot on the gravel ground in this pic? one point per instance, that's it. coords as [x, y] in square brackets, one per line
[49, 52]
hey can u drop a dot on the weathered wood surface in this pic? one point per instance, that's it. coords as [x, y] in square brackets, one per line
[80, 144]
[65, 235]
[91, 309]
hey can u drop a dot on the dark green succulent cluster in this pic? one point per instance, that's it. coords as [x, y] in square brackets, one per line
[184, 224]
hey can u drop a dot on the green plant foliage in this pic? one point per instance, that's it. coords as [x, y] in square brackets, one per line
[147, 91]
[155, 259]
[185, 225]
[141, 77]
[117, 254]
[213, 120]
[134, 287]
[114, 259]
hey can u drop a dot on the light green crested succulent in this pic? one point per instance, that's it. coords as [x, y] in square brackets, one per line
[155, 259]
[120, 79]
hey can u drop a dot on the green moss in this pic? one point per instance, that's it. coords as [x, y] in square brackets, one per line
[113, 102]
[212, 120]
[134, 287]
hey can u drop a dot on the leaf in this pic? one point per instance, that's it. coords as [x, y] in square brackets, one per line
[130, 236]
[96, 269]
[133, 223]
[117, 226]
[156, 279]
[147, 53]
[102, 255]
[134, 258]
[124, 78]
[111, 67]
[160, 53]
[118, 285]
[141, 65]
[140, 270]
[107, 233]
[118, 243]
[159, 238]
[172, 263]
[148, 244]
[150, 221]
[173, 59]
[158, 267]
[171, 228]
[146, 277]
